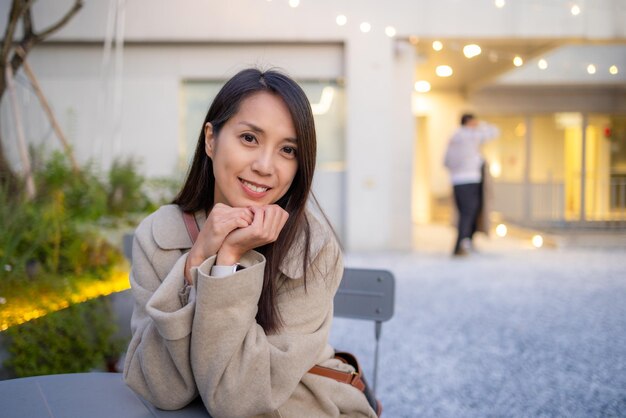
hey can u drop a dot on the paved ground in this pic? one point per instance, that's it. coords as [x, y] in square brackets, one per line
[512, 331]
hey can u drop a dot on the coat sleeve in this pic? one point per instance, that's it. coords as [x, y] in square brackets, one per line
[157, 364]
[240, 371]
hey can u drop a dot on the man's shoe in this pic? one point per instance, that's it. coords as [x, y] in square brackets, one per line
[460, 252]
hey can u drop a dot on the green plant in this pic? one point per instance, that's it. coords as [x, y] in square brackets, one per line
[76, 339]
[125, 182]
[84, 195]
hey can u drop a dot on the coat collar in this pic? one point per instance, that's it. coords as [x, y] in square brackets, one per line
[169, 232]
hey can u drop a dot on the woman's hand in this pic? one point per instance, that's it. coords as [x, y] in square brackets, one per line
[222, 220]
[266, 226]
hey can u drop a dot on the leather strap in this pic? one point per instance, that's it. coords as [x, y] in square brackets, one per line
[191, 225]
[344, 377]
[353, 379]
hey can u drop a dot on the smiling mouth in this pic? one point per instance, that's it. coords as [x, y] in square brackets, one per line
[257, 188]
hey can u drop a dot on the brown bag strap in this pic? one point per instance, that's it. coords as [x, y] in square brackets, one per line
[353, 379]
[191, 225]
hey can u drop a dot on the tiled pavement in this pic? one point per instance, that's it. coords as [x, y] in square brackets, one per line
[511, 331]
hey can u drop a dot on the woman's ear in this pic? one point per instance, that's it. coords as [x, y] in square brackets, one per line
[209, 140]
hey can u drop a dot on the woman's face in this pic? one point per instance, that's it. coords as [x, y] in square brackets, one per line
[254, 155]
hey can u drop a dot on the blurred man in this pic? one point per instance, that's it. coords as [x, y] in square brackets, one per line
[466, 165]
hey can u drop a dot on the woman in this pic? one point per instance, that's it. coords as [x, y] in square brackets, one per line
[240, 314]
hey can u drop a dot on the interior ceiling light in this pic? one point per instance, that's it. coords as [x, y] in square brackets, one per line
[390, 31]
[518, 61]
[575, 10]
[341, 20]
[437, 46]
[471, 50]
[443, 71]
[613, 69]
[422, 86]
[365, 27]
[499, 3]
[542, 64]
[591, 69]
[294, 3]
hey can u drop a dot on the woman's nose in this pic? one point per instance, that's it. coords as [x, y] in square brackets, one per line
[263, 163]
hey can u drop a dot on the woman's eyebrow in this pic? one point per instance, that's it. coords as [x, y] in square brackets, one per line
[260, 130]
[253, 127]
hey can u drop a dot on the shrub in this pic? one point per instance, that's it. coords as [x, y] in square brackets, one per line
[125, 194]
[76, 339]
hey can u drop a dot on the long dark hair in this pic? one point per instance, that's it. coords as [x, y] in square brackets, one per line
[198, 191]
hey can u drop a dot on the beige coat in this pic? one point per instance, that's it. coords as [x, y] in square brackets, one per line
[208, 342]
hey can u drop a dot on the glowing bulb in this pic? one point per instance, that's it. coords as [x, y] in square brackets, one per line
[294, 3]
[437, 46]
[542, 64]
[422, 86]
[575, 10]
[613, 69]
[341, 20]
[390, 31]
[495, 169]
[501, 230]
[591, 69]
[443, 71]
[518, 61]
[471, 50]
[365, 27]
[499, 3]
[537, 241]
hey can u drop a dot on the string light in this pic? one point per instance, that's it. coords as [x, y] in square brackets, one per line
[613, 69]
[294, 3]
[591, 69]
[390, 31]
[365, 27]
[444, 71]
[542, 64]
[518, 61]
[537, 241]
[471, 50]
[575, 10]
[437, 45]
[499, 3]
[501, 230]
[422, 86]
[341, 20]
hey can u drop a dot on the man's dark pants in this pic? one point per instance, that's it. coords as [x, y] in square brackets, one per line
[468, 199]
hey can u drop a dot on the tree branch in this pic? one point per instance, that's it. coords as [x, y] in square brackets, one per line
[31, 38]
[17, 9]
[49, 31]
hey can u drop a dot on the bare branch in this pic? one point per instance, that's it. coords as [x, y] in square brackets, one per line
[31, 38]
[49, 31]
[17, 9]
[27, 22]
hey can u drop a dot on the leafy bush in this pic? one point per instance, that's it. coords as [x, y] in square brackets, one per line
[77, 339]
[125, 194]
[84, 195]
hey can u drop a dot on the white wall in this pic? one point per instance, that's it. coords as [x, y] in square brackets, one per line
[167, 41]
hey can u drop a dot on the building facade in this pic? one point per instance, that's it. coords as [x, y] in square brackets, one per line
[134, 78]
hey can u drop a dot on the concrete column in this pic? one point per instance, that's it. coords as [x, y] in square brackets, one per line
[403, 144]
[369, 147]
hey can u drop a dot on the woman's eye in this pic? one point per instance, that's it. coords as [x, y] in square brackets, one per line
[248, 138]
[290, 151]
